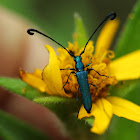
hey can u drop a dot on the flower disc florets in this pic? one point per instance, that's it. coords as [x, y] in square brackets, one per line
[94, 78]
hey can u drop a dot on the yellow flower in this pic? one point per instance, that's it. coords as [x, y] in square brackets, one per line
[103, 105]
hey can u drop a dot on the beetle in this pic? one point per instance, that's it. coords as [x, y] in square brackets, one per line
[81, 74]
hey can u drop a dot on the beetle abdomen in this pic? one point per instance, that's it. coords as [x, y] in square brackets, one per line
[84, 89]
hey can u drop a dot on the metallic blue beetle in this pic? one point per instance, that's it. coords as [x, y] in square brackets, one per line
[83, 83]
[81, 74]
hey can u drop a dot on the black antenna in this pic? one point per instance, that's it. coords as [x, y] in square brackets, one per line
[111, 14]
[30, 32]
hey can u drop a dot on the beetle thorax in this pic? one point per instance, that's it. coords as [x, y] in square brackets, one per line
[79, 65]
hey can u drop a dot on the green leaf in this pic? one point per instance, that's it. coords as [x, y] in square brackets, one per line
[13, 129]
[130, 37]
[53, 99]
[80, 32]
[60, 105]
[20, 87]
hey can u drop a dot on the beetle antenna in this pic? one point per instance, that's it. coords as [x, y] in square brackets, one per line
[111, 14]
[30, 32]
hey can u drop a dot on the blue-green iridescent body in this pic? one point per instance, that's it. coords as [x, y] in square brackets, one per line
[83, 83]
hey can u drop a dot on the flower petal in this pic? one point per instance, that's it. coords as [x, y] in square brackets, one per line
[106, 37]
[102, 111]
[126, 67]
[125, 108]
[34, 79]
[52, 76]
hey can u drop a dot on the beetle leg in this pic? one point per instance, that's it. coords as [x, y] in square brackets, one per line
[68, 69]
[77, 95]
[89, 69]
[93, 85]
[68, 78]
[88, 65]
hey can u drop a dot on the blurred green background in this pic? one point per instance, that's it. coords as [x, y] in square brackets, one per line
[56, 17]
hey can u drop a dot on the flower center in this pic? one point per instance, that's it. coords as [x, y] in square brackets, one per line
[98, 79]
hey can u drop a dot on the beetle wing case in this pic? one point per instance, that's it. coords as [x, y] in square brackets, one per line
[84, 89]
